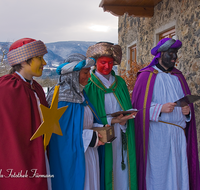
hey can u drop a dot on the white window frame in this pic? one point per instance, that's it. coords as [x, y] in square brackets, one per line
[163, 29]
[134, 43]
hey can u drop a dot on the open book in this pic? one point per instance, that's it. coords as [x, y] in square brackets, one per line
[130, 111]
[188, 99]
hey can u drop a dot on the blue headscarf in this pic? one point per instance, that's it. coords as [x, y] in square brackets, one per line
[69, 90]
[75, 62]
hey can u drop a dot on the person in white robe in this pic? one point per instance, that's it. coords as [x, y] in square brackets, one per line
[111, 95]
[167, 166]
[111, 105]
[72, 169]
[166, 139]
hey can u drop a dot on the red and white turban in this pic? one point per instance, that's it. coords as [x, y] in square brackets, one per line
[24, 49]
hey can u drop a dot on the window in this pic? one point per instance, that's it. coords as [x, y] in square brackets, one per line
[167, 30]
[168, 34]
[133, 54]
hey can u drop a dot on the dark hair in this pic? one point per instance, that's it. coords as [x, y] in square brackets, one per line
[18, 67]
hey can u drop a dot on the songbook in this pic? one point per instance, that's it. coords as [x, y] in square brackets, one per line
[188, 99]
[130, 111]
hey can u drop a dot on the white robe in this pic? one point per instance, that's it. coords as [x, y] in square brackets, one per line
[167, 167]
[92, 176]
[120, 176]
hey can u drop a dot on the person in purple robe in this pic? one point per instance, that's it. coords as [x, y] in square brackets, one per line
[166, 139]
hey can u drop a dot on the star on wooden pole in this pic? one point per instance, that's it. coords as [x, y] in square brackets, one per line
[51, 118]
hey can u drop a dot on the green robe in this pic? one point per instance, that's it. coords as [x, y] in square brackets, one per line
[96, 92]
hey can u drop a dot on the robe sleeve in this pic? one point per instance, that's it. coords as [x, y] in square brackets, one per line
[188, 117]
[97, 125]
[122, 127]
[109, 119]
[88, 137]
[155, 111]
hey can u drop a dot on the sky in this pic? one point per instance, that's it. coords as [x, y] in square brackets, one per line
[56, 20]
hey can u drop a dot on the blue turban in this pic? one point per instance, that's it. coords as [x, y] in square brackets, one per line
[75, 62]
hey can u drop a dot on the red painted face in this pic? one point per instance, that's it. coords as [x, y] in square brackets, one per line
[105, 65]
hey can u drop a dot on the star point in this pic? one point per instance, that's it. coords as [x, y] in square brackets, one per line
[51, 118]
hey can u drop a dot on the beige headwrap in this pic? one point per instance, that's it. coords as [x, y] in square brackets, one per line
[105, 49]
[24, 49]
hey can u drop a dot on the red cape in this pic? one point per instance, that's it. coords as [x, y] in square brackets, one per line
[20, 158]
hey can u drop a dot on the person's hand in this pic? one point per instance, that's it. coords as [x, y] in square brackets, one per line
[121, 119]
[106, 125]
[168, 107]
[186, 110]
[100, 142]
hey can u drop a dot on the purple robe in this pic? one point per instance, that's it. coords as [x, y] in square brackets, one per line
[141, 98]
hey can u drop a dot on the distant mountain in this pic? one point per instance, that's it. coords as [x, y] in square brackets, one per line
[4, 46]
[57, 53]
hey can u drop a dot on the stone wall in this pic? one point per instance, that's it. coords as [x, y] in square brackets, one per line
[186, 16]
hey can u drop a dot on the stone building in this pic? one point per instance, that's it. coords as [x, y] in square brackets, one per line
[138, 34]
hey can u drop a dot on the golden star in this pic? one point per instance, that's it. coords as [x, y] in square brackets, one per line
[51, 118]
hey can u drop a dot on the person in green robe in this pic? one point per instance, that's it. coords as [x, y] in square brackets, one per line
[108, 93]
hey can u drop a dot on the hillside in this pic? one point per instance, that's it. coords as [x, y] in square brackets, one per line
[57, 53]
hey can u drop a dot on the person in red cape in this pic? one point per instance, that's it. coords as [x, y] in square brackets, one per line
[22, 162]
